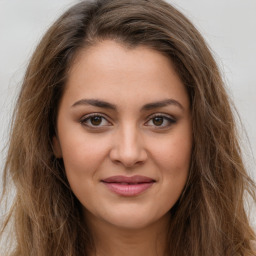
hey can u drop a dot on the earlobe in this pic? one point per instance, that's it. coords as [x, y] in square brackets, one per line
[56, 147]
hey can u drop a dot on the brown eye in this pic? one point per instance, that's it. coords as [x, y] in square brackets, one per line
[161, 121]
[158, 121]
[96, 120]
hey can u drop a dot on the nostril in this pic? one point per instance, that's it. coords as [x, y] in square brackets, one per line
[128, 150]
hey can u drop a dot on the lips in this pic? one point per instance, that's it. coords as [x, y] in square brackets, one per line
[128, 186]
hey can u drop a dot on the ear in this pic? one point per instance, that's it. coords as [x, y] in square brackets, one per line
[56, 147]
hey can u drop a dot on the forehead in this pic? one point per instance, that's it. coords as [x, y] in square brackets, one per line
[110, 69]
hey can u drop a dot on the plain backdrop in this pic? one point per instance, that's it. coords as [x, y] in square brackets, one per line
[229, 27]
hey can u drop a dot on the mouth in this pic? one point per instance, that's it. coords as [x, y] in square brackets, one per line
[128, 186]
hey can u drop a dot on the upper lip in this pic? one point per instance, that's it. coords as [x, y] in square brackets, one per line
[126, 179]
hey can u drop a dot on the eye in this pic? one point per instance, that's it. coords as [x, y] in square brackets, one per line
[94, 121]
[161, 121]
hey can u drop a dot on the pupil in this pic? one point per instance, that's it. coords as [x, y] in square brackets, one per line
[96, 120]
[158, 121]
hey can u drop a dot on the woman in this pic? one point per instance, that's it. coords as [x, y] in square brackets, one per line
[124, 141]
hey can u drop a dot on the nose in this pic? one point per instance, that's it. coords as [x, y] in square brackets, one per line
[128, 148]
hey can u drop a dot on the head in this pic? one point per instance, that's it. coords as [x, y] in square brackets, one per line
[215, 167]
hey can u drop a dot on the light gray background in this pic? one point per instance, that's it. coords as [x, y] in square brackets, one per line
[228, 25]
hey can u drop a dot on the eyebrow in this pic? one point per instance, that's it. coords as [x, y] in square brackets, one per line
[162, 103]
[96, 103]
[107, 105]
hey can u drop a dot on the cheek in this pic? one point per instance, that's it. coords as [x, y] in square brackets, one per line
[82, 156]
[82, 159]
[175, 168]
[174, 153]
[178, 154]
[173, 156]
[80, 147]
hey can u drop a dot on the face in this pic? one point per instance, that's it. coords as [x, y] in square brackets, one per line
[124, 132]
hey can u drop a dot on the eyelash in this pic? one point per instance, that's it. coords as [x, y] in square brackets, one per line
[87, 118]
[166, 118]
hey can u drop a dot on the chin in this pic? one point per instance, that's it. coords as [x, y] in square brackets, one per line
[133, 220]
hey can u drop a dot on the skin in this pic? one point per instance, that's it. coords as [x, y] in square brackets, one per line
[126, 140]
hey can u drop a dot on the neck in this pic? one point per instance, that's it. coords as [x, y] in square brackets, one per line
[116, 241]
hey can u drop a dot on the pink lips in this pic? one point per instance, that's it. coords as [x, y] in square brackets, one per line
[128, 186]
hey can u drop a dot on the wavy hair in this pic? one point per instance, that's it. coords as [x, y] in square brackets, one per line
[209, 218]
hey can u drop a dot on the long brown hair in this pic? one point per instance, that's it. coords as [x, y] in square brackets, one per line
[209, 218]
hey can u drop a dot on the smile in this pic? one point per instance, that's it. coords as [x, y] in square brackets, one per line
[128, 186]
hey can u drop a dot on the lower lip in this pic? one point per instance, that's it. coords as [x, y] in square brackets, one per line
[128, 189]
